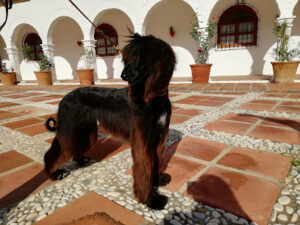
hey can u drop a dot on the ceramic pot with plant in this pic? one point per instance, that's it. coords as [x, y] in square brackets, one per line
[86, 70]
[204, 38]
[7, 78]
[284, 68]
[44, 75]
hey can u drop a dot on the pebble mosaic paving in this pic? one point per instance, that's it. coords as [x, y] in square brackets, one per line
[233, 153]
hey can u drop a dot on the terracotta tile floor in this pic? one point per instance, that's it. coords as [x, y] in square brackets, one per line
[88, 205]
[243, 181]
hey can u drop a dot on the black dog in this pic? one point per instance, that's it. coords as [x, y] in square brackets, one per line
[139, 114]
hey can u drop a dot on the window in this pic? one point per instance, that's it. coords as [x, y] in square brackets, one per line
[32, 46]
[106, 38]
[237, 27]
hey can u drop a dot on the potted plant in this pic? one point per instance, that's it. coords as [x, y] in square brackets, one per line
[44, 75]
[204, 37]
[86, 69]
[7, 78]
[284, 68]
[27, 52]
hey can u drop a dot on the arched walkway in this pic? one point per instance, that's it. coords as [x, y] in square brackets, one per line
[158, 21]
[64, 33]
[112, 66]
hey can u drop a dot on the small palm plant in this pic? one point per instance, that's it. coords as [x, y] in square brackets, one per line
[282, 52]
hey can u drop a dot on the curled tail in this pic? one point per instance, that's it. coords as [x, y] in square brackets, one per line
[48, 121]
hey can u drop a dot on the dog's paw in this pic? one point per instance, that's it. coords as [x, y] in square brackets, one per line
[84, 161]
[163, 179]
[60, 174]
[157, 201]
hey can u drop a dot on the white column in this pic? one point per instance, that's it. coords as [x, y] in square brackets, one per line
[13, 56]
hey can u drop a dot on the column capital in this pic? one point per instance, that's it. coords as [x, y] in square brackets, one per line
[89, 43]
[12, 51]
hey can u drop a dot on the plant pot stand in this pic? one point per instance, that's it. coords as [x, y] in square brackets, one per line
[44, 78]
[86, 77]
[8, 79]
[285, 72]
[200, 72]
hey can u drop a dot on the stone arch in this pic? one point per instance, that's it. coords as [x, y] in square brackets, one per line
[3, 45]
[158, 21]
[54, 18]
[65, 34]
[111, 66]
[102, 7]
[296, 22]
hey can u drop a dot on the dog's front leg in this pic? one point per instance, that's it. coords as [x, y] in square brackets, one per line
[145, 174]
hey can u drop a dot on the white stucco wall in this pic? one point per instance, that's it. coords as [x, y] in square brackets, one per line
[252, 59]
[160, 18]
[143, 16]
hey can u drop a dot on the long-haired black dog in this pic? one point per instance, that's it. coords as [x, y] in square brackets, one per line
[139, 114]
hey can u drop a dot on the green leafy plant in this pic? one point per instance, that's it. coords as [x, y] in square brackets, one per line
[282, 52]
[27, 51]
[88, 58]
[44, 62]
[204, 37]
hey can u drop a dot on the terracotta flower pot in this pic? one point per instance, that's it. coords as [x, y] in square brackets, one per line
[43, 77]
[200, 72]
[284, 72]
[8, 79]
[86, 77]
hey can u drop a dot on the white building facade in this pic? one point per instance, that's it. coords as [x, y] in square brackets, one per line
[62, 29]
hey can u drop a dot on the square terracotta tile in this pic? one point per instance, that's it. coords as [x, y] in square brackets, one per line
[274, 95]
[243, 195]
[210, 103]
[265, 163]
[288, 109]
[290, 103]
[28, 110]
[276, 134]
[34, 130]
[18, 185]
[175, 119]
[12, 159]
[264, 102]
[39, 99]
[246, 118]
[89, 204]
[198, 97]
[106, 148]
[54, 103]
[281, 122]
[188, 112]
[22, 123]
[7, 104]
[242, 87]
[197, 148]
[228, 87]
[187, 101]
[220, 99]
[8, 115]
[257, 107]
[294, 96]
[258, 87]
[226, 126]
[181, 171]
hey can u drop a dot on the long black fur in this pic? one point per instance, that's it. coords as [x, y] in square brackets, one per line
[138, 114]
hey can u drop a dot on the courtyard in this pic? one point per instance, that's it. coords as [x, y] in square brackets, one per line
[233, 152]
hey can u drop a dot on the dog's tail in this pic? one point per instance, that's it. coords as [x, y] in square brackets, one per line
[51, 128]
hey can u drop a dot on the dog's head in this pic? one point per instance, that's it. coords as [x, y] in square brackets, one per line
[148, 67]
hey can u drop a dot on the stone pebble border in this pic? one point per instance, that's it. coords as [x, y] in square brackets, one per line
[117, 186]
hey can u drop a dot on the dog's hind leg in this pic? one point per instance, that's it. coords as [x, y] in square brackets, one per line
[83, 140]
[163, 178]
[56, 157]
